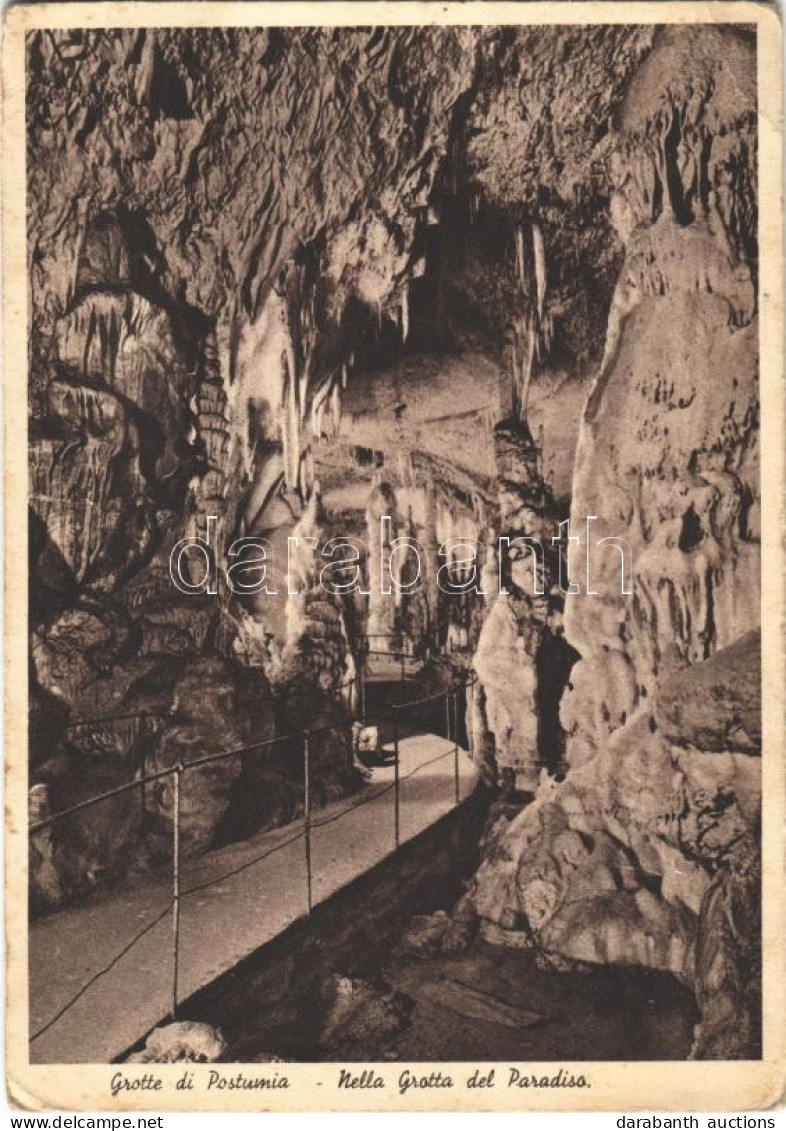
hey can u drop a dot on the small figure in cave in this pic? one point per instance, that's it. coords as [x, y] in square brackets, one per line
[365, 741]
[507, 784]
[422, 648]
[273, 649]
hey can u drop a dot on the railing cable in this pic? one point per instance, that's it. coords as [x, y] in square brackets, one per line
[100, 973]
[179, 769]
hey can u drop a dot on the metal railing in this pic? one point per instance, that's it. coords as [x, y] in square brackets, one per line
[178, 773]
[406, 645]
[148, 718]
[402, 652]
[451, 698]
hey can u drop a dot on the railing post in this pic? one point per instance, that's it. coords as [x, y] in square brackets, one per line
[362, 679]
[144, 736]
[396, 783]
[447, 715]
[456, 745]
[307, 813]
[178, 770]
[403, 668]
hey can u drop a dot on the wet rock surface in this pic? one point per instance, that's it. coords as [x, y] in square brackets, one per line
[716, 705]
[361, 1020]
[608, 1014]
[425, 935]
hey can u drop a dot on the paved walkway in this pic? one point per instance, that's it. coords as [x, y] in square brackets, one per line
[238, 898]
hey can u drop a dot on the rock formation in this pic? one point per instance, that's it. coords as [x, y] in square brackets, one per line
[646, 852]
[181, 1041]
[196, 247]
[483, 280]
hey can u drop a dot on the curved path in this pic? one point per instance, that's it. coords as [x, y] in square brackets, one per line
[233, 901]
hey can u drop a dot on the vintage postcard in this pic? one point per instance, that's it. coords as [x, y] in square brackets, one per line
[394, 579]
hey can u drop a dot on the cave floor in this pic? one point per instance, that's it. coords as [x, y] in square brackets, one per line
[243, 896]
[486, 1004]
[601, 1014]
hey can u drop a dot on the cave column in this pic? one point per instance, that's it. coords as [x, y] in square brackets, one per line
[506, 660]
[381, 624]
[431, 566]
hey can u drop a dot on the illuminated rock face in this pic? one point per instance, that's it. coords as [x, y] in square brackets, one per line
[521, 616]
[668, 448]
[647, 850]
[644, 855]
[228, 279]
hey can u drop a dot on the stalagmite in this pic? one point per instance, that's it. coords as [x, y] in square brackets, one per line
[382, 601]
[290, 426]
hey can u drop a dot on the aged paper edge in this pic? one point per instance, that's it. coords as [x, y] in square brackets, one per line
[661, 1086]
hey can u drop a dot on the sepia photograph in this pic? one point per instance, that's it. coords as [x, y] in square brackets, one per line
[387, 410]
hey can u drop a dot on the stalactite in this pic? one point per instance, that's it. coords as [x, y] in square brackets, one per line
[539, 254]
[307, 484]
[318, 406]
[522, 358]
[290, 426]
[531, 339]
[405, 312]
[521, 273]
[335, 407]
